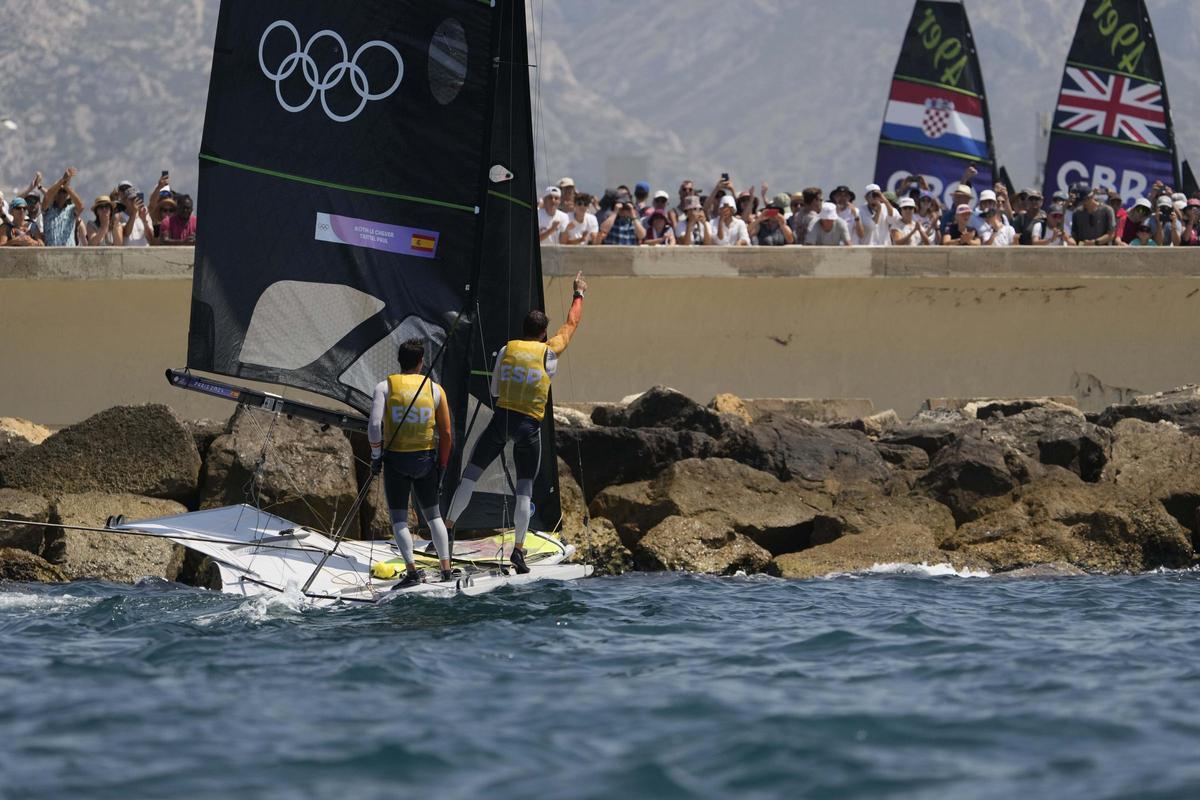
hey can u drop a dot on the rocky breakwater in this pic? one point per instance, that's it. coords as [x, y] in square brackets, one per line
[1000, 486]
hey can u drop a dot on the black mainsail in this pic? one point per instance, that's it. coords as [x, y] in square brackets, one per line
[351, 203]
[1112, 124]
[936, 123]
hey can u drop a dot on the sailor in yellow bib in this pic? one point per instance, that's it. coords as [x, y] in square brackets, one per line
[521, 386]
[407, 411]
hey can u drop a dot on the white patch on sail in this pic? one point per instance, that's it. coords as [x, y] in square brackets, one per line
[380, 360]
[493, 479]
[295, 323]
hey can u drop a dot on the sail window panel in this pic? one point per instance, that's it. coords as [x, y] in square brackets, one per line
[295, 323]
[379, 360]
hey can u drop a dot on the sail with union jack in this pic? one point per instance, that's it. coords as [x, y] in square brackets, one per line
[1112, 123]
[1114, 106]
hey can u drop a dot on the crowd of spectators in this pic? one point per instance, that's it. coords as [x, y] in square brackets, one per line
[912, 216]
[56, 216]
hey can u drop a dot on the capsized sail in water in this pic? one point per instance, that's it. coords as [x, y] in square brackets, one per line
[936, 123]
[1112, 125]
[392, 143]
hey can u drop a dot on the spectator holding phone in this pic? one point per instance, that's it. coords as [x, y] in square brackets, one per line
[1051, 231]
[728, 229]
[622, 227]
[658, 230]
[1168, 227]
[769, 228]
[695, 227]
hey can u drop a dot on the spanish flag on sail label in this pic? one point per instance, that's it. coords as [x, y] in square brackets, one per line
[936, 118]
[376, 235]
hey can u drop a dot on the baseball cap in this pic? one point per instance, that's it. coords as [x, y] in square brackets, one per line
[1059, 196]
[641, 186]
[962, 188]
[18, 202]
[36, 192]
[1057, 209]
[124, 184]
[1179, 197]
[828, 211]
[962, 208]
[661, 195]
[987, 194]
[1142, 203]
[1166, 202]
[871, 187]
[552, 191]
[727, 200]
[563, 183]
[907, 202]
[1193, 203]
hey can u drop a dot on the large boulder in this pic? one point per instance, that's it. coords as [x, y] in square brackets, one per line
[794, 449]
[866, 527]
[907, 457]
[24, 429]
[605, 456]
[973, 476]
[112, 556]
[1055, 435]
[1180, 406]
[27, 507]
[142, 450]
[932, 430]
[1099, 528]
[699, 545]
[25, 567]
[777, 516]
[205, 431]
[661, 407]
[1158, 463]
[734, 406]
[289, 467]
[11, 444]
[600, 546]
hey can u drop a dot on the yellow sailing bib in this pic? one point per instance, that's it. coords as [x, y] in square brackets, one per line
[523, 383]
[415, 431]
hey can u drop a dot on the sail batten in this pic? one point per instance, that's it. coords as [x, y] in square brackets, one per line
[936, 122]
[1112, 118]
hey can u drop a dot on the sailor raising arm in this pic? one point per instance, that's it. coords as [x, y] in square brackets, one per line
[405, 411]
[521, 386]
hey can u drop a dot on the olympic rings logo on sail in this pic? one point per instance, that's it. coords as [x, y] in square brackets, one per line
[320, 84]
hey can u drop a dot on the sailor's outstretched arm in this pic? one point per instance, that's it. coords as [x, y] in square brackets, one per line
[562, 338]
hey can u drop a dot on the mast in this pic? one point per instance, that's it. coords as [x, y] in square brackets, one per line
[1112, 123]
[936, 123]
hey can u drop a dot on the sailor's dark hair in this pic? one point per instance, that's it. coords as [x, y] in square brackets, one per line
[535, 323]
[411, 353]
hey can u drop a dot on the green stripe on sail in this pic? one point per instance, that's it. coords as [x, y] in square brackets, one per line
[481, 372]
[935, 84]
[339, 186]
[510, 198]
[1109, 140]
[938, 150]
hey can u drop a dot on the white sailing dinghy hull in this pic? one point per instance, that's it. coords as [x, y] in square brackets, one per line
[258, 553]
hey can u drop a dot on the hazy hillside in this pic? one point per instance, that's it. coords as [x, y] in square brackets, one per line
[784, 90]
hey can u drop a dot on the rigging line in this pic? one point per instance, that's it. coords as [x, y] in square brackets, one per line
[358, 501]
[339, 186]
[326, 527]
[176, 537]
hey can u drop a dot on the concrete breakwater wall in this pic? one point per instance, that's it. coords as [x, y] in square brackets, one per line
[82, 330]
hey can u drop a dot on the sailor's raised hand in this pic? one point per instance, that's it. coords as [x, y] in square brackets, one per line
[580, 284]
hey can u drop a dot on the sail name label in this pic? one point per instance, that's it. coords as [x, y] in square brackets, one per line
[1126, 37]
[376, 235]
[947, 52]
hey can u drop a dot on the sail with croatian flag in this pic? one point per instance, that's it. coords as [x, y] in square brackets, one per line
[936, 123]
[367, 171]
[1112, 121]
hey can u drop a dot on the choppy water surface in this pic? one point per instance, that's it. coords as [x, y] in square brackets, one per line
[890, 685]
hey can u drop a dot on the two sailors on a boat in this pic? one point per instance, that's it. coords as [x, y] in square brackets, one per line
[521, 387]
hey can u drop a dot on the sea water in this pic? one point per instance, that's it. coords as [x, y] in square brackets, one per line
[911, 682]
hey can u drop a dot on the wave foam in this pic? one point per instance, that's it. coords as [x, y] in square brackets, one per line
[924, 569]
[20, 601]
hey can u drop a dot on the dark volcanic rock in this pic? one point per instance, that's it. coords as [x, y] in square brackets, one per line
[11, 444]
[141, 450]
[623, 455]
[1059, 436]
[932, 430]
[307, 475]
[904, 456]
[1180, 406]
[661, 407]
[971, 471]
[793, 449]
